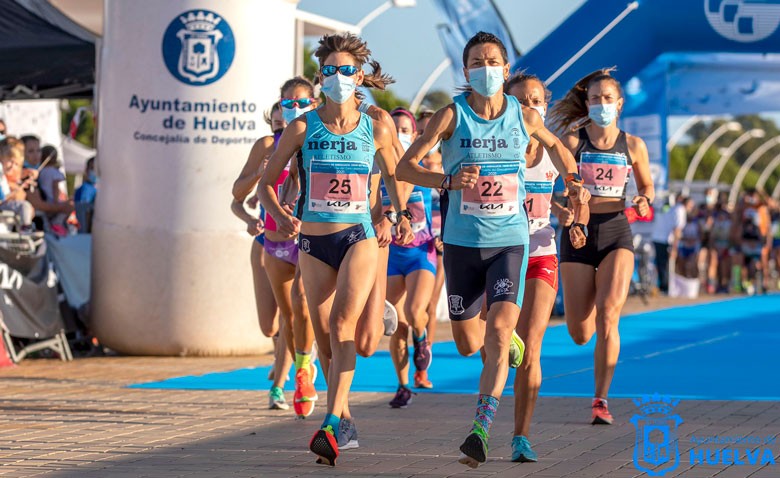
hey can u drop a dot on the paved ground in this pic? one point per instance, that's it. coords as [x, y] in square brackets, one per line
[78, 420]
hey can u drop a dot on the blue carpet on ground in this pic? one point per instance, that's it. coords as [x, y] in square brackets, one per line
[716, 351]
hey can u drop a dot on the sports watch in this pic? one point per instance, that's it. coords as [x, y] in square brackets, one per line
[394, 217]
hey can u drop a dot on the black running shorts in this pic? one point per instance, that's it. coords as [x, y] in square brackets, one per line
[470, 272]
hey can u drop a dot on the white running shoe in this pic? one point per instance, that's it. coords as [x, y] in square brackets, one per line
[390, 319]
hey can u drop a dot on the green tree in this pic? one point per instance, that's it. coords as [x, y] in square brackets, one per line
[681, 155]
[437, 99]
[388, 100]
[310, 65]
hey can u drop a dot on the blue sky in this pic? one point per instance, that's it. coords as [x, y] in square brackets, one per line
[405, 41]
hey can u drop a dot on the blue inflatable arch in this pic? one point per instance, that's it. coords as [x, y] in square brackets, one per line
[674, 57]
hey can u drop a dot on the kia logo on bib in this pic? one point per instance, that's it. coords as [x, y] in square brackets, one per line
[198, 47]
[743, 20]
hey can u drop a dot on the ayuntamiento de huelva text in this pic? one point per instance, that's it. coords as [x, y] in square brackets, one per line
[201, 122]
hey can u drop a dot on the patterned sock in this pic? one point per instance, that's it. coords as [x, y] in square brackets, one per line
[302, 360]
[332, 421]
[420, 338]
[486, 411]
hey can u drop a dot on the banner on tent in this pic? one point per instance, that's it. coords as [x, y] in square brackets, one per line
[650, 129]
[465, 18]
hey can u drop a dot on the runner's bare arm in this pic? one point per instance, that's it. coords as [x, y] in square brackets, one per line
[440, 127]
[289, 144]
[386, 159]
[291, 185]
[644, 181]
[252, 170]
[560, 155]
[382, 116]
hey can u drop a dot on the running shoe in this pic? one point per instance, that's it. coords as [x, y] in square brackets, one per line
[305, 393]
[402, 399]
[324, 445]
[516, 350]
[474, 449]
[601, 415]
[276, 399]
[348, 434]
[421, 379]
[521, 450]
[422, 354]
[390, 319]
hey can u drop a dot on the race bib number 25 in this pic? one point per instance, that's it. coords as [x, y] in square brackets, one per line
[338, 187]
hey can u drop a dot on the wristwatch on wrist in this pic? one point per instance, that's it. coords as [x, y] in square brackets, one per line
[405, 213]
[582, 227]
[573, 177]
[392, 216]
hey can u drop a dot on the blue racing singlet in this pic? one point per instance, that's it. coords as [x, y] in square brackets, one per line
[492, 214]
[335, 173]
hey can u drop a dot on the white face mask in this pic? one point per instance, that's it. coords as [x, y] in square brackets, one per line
[290, 114]
[338, 87]
[405, 139]
[542, 111]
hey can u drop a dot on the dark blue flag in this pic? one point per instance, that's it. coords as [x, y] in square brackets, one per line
[466, 18]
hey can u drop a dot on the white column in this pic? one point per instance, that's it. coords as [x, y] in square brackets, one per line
[183, 87]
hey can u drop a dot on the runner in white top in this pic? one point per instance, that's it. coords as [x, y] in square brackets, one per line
[541, 278]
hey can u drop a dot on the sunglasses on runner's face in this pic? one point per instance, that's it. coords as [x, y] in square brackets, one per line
[290, 103]
[346, 70]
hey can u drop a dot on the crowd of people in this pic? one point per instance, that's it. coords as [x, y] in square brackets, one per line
[366, 214]
[728, 248]
[33, 188]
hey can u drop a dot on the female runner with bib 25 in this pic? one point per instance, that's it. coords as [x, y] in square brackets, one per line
[338, 145]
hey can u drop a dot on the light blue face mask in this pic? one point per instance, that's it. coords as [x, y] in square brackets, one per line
[290, 114]
[338, 87]
[92, 177]
[487, 80]
[603, 114]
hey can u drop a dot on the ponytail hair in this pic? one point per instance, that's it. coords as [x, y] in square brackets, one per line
[358, 49]
[571, 112]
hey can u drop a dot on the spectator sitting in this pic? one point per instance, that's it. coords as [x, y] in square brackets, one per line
[85, 197]
[12, 187]
[51, 183]
[32, 151]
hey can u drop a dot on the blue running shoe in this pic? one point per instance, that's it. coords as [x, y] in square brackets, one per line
[521, 450]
